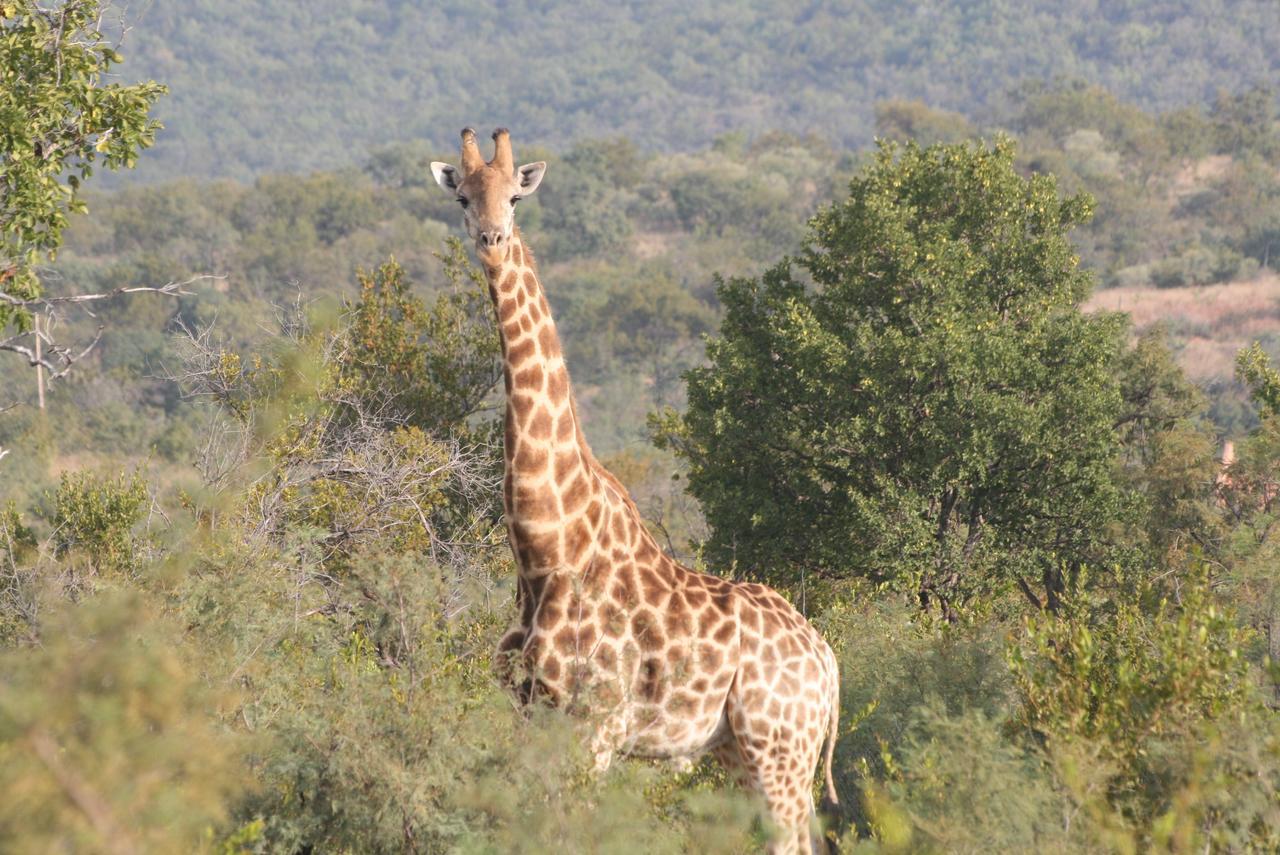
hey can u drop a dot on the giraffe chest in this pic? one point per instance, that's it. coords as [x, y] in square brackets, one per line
[623, 642]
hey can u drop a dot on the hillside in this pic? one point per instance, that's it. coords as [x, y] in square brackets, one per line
[1211, 323]
[284, 87]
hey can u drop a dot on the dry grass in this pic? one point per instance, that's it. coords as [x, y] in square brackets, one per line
[1209, 324]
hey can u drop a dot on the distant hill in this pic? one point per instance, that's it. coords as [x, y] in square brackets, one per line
[270, 85]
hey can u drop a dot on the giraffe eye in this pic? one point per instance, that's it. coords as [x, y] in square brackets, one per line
[514, 199]
[462, 201]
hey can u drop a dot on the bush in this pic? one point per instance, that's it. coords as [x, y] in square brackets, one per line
[95, 517]
[379, 728]
[108, 736]
[892, 666]
[18, 602]
[1123, 698]
[955, 784]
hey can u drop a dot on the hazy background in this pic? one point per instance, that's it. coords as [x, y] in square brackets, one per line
[279, 86]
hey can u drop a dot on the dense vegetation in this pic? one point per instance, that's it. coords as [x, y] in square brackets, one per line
[927, 401]
[252, 567]
[630, 244]
[269, 87]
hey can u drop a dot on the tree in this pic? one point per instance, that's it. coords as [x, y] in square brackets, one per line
[58, 118]
[923, 401]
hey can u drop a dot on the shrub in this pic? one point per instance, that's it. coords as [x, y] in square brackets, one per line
[18, 603]
[107, 739]
[892, 666]
[1123, 698]
[956, 785]
[95, 517]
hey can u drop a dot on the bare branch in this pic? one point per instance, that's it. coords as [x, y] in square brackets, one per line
[393, 483]
[171, 289]
[56, 359]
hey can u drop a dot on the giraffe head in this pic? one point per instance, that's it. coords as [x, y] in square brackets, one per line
[488, 192]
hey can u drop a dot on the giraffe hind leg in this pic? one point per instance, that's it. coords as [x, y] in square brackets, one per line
[778, 764]
[731, 759]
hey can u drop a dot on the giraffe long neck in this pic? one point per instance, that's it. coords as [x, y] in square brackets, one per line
[551, 493]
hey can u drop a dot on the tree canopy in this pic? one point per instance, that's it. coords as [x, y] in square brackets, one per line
[59, 115]
[917, 396]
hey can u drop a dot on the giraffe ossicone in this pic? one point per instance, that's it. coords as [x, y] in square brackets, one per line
[665, 661]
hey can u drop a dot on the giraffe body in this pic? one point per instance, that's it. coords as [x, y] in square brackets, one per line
[666, 662]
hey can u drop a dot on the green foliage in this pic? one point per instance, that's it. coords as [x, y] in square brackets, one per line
[1179, 194]
[908, 121]
[1134, 691]
[108, 736]
[1177, 482]
[586, 205]
[1169, 452]
[326, 446]
[18, 604]
[670, 77]
[934, 410]
[16, 540]
[1156, 392]
[1254, 367]
[378, 726]
[632, 310]
[95, 517]
[956, 784]
[922, 373]
[58, 115]
[1126, 723]
[438, 365]
[893, 666]
[1116, 674]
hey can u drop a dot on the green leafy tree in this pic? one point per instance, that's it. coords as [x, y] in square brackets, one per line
[58, 118]
[923, 401]
[1157, 394]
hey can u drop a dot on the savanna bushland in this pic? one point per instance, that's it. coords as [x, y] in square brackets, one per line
[962, 394]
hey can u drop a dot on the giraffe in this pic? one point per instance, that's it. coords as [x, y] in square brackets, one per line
[665, 662]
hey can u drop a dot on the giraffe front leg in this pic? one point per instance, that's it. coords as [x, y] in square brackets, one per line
[507, 657]
[607, 739]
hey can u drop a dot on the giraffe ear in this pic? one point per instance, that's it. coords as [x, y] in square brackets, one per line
[446, 176]
[530, 176]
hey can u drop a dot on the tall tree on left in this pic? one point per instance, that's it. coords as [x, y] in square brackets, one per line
[60, 118]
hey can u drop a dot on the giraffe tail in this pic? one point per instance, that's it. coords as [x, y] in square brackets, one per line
[831, 801]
